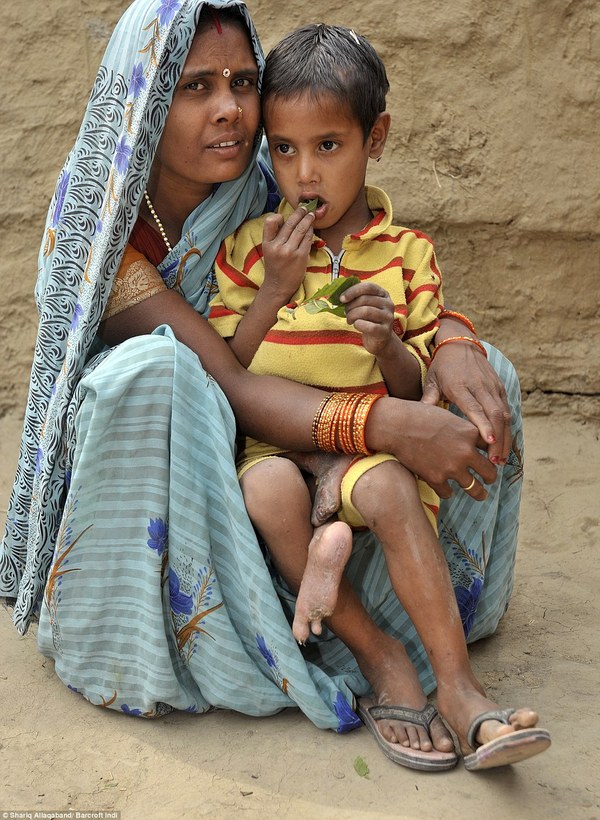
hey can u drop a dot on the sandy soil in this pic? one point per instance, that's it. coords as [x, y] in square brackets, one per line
[59, 752]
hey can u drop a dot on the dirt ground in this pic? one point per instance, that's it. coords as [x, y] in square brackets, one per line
[60, 753]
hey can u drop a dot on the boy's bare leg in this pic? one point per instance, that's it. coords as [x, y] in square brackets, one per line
[278, 502]
[275, 493]
[388, 500]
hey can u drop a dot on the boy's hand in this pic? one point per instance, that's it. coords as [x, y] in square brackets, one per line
[286, 246]
[370, 309]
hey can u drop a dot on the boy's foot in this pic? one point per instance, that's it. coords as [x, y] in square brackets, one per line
[395, 683]
[328, 553]
[426, 761]
[488, 736]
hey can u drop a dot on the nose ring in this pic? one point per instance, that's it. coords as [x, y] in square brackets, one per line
[240, 111]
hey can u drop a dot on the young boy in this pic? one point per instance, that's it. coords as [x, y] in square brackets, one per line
[324, 113]
[321, 136]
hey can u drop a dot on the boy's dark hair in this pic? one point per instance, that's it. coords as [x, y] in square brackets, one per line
[321, 59]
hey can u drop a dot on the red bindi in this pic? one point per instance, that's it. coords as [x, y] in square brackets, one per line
[217, 22]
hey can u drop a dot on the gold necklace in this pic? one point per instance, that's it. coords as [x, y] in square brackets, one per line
[157, 220]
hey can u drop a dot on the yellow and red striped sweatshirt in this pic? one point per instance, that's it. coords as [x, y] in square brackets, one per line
[322, 349]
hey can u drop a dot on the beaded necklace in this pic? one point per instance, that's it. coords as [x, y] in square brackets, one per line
[157, 220]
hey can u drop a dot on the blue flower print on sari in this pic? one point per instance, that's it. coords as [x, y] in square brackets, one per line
[190, 592]
[170, 270]
[347, 718]
[180, 602]
[132, 712]
[265, 651]
[158, 531]
[167, 10]
[467, 600]
[273, 663]
[61, 193]
[122, 155]
[467, 573]
[77, 314]
[39, 456]
[137, 81]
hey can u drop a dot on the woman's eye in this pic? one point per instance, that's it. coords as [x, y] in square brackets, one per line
[194, 86]
[243, 82]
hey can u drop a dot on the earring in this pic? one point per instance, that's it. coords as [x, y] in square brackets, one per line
[378, 158]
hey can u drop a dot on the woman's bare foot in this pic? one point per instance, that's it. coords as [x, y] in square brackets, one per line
[328, 553]
[328, 470]
[395, 683]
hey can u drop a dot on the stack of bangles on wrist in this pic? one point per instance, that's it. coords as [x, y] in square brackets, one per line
[468, 339]
[340, 421]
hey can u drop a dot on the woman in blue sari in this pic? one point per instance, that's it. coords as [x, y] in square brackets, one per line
[126, 531]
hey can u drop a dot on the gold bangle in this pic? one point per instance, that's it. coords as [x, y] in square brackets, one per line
[315, 424]
[340, 421]
[364, 408]
[468, 339]
[461, 318]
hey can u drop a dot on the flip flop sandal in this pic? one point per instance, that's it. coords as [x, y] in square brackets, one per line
[433, 761]
[506, 749]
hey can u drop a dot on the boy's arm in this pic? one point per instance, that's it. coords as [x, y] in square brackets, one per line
[370, 309]
[401, 371]
[402, 356]
[284, 250]
[256, 323]
[423, 293]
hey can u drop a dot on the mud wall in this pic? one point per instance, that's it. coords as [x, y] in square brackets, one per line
[494, 151]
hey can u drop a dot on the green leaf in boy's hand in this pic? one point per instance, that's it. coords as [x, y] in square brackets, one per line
[333, 290]
[327, 298]
[360, 767]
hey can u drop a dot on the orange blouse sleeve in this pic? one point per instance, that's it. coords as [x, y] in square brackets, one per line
[135, 281]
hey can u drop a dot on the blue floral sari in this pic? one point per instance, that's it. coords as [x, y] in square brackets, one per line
[126, 531]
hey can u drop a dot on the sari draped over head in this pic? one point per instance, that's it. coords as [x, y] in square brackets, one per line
[91, 215]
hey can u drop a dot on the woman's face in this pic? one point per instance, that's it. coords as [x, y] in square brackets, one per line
[207, 139]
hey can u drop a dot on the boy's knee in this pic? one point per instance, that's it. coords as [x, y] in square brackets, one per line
[270, 481]
[381, 486]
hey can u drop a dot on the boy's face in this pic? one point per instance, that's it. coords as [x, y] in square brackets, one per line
[319, 152]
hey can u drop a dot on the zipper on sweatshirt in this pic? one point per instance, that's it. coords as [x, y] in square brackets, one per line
[336, 262]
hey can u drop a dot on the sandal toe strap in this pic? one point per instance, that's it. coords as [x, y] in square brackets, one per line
[420, 717]
[501, 715]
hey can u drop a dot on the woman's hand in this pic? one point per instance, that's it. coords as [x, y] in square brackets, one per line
[286, 246]
[431, 442]
[463, 376]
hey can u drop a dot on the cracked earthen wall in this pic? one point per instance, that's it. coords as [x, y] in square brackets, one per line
[494, 151]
